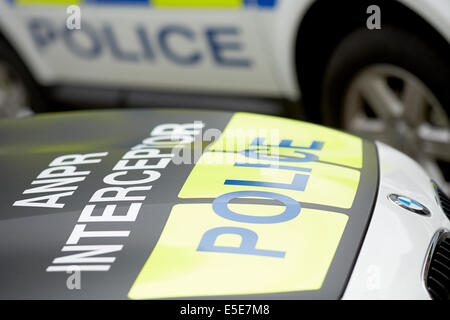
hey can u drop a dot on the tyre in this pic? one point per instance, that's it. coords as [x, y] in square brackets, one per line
[19, 93]
[392, 86]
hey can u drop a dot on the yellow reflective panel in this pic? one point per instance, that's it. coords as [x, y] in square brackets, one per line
[197, 3]
[339, 147]
[326, 184]
[176, 269]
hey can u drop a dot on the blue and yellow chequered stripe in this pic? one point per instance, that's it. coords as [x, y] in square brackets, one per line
[157, 3]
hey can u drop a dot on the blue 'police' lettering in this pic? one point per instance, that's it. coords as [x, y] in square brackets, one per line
[315, 145]
[89, 43]
[94, 47]
[218, 48]
[271, 166]
[164, 35]
[255, 154]
[42, 32]
[298, 183]
[116, 51]
[247, 246]
[220, 207]
[144, 40]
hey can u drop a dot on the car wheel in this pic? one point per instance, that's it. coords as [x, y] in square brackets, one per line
[19, 93]
[390, 85]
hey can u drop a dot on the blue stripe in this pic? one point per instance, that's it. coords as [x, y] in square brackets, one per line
[247, 3]
[271, 166]
[261, 3]
[267, 3]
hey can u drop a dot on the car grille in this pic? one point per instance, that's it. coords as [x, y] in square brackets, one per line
[438, 273]
[444, 201]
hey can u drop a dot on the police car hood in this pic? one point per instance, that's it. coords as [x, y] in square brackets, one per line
[163, 204]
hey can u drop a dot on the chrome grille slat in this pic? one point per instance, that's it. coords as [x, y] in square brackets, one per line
[444, 200]
[441, 256]
[438, 271]
[443, 266]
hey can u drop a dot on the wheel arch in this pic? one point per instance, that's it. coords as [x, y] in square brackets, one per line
[332, 21]
[29, 65]
[14, 33]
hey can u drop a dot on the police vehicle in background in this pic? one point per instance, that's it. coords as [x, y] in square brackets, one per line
[388, 84]
[163, 203]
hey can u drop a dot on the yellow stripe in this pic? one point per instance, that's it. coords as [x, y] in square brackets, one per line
[176, 269]
[197, 3]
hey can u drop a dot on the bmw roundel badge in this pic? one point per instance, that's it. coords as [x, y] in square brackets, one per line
[409, 204]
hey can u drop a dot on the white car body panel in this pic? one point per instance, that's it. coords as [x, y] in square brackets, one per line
[267, 37]
[397, 273]
[60, 65]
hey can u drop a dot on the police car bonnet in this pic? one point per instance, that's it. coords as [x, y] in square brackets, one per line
[177, 203]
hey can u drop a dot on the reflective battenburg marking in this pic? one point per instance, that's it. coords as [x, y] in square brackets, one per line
[310, 182]
[157, 3]
[224, 247]
[307, 162]
[331, 145]
[290, 256]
